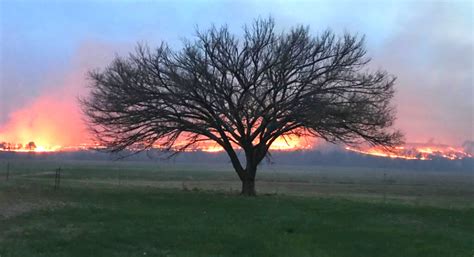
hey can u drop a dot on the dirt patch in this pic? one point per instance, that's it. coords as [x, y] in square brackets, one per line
[12, 209]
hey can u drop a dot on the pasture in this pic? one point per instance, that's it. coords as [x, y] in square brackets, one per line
[164, 209]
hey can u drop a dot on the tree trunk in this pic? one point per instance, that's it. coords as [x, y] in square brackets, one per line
[247, 176]
[248, 187]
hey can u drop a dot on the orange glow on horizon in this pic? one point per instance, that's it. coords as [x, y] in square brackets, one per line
[49, 123]
[287, 143]
[416, 152]
[52, 124]
[291, 143]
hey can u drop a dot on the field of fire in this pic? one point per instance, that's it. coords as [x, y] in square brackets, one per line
[236, 128]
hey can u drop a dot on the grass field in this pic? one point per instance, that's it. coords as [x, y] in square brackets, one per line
[149, 209]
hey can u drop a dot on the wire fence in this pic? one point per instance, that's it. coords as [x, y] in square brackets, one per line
[379, 185]
[54, 174]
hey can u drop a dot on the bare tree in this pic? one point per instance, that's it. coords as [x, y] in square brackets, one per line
[30, 146]
[242, 93]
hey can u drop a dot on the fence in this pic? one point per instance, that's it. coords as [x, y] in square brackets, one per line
[56, 175]
[373, 184]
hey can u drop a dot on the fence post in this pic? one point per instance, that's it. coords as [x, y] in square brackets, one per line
[8, 170]
[57, 178]
[384, 187]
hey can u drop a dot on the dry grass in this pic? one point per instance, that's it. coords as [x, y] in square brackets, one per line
[440, 189]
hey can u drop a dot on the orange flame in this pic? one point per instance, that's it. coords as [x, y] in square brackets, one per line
[56, 125]
[286, 143]
[416, 152]
[49, 123]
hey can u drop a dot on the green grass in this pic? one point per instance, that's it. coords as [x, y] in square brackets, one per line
[441, 189]
[146, 221]
[150, 209]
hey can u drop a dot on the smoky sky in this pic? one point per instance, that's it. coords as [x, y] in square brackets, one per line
[47, 47]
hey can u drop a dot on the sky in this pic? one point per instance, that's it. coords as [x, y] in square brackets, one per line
[47, 48]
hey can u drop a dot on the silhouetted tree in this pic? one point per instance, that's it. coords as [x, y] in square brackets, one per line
[30, 146]
[242, 93]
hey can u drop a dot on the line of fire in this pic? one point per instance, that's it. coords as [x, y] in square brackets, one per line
[409, 151]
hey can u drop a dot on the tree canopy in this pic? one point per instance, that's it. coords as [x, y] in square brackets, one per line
[243, 93]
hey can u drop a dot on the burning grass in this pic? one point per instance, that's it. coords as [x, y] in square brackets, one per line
[416, 152]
